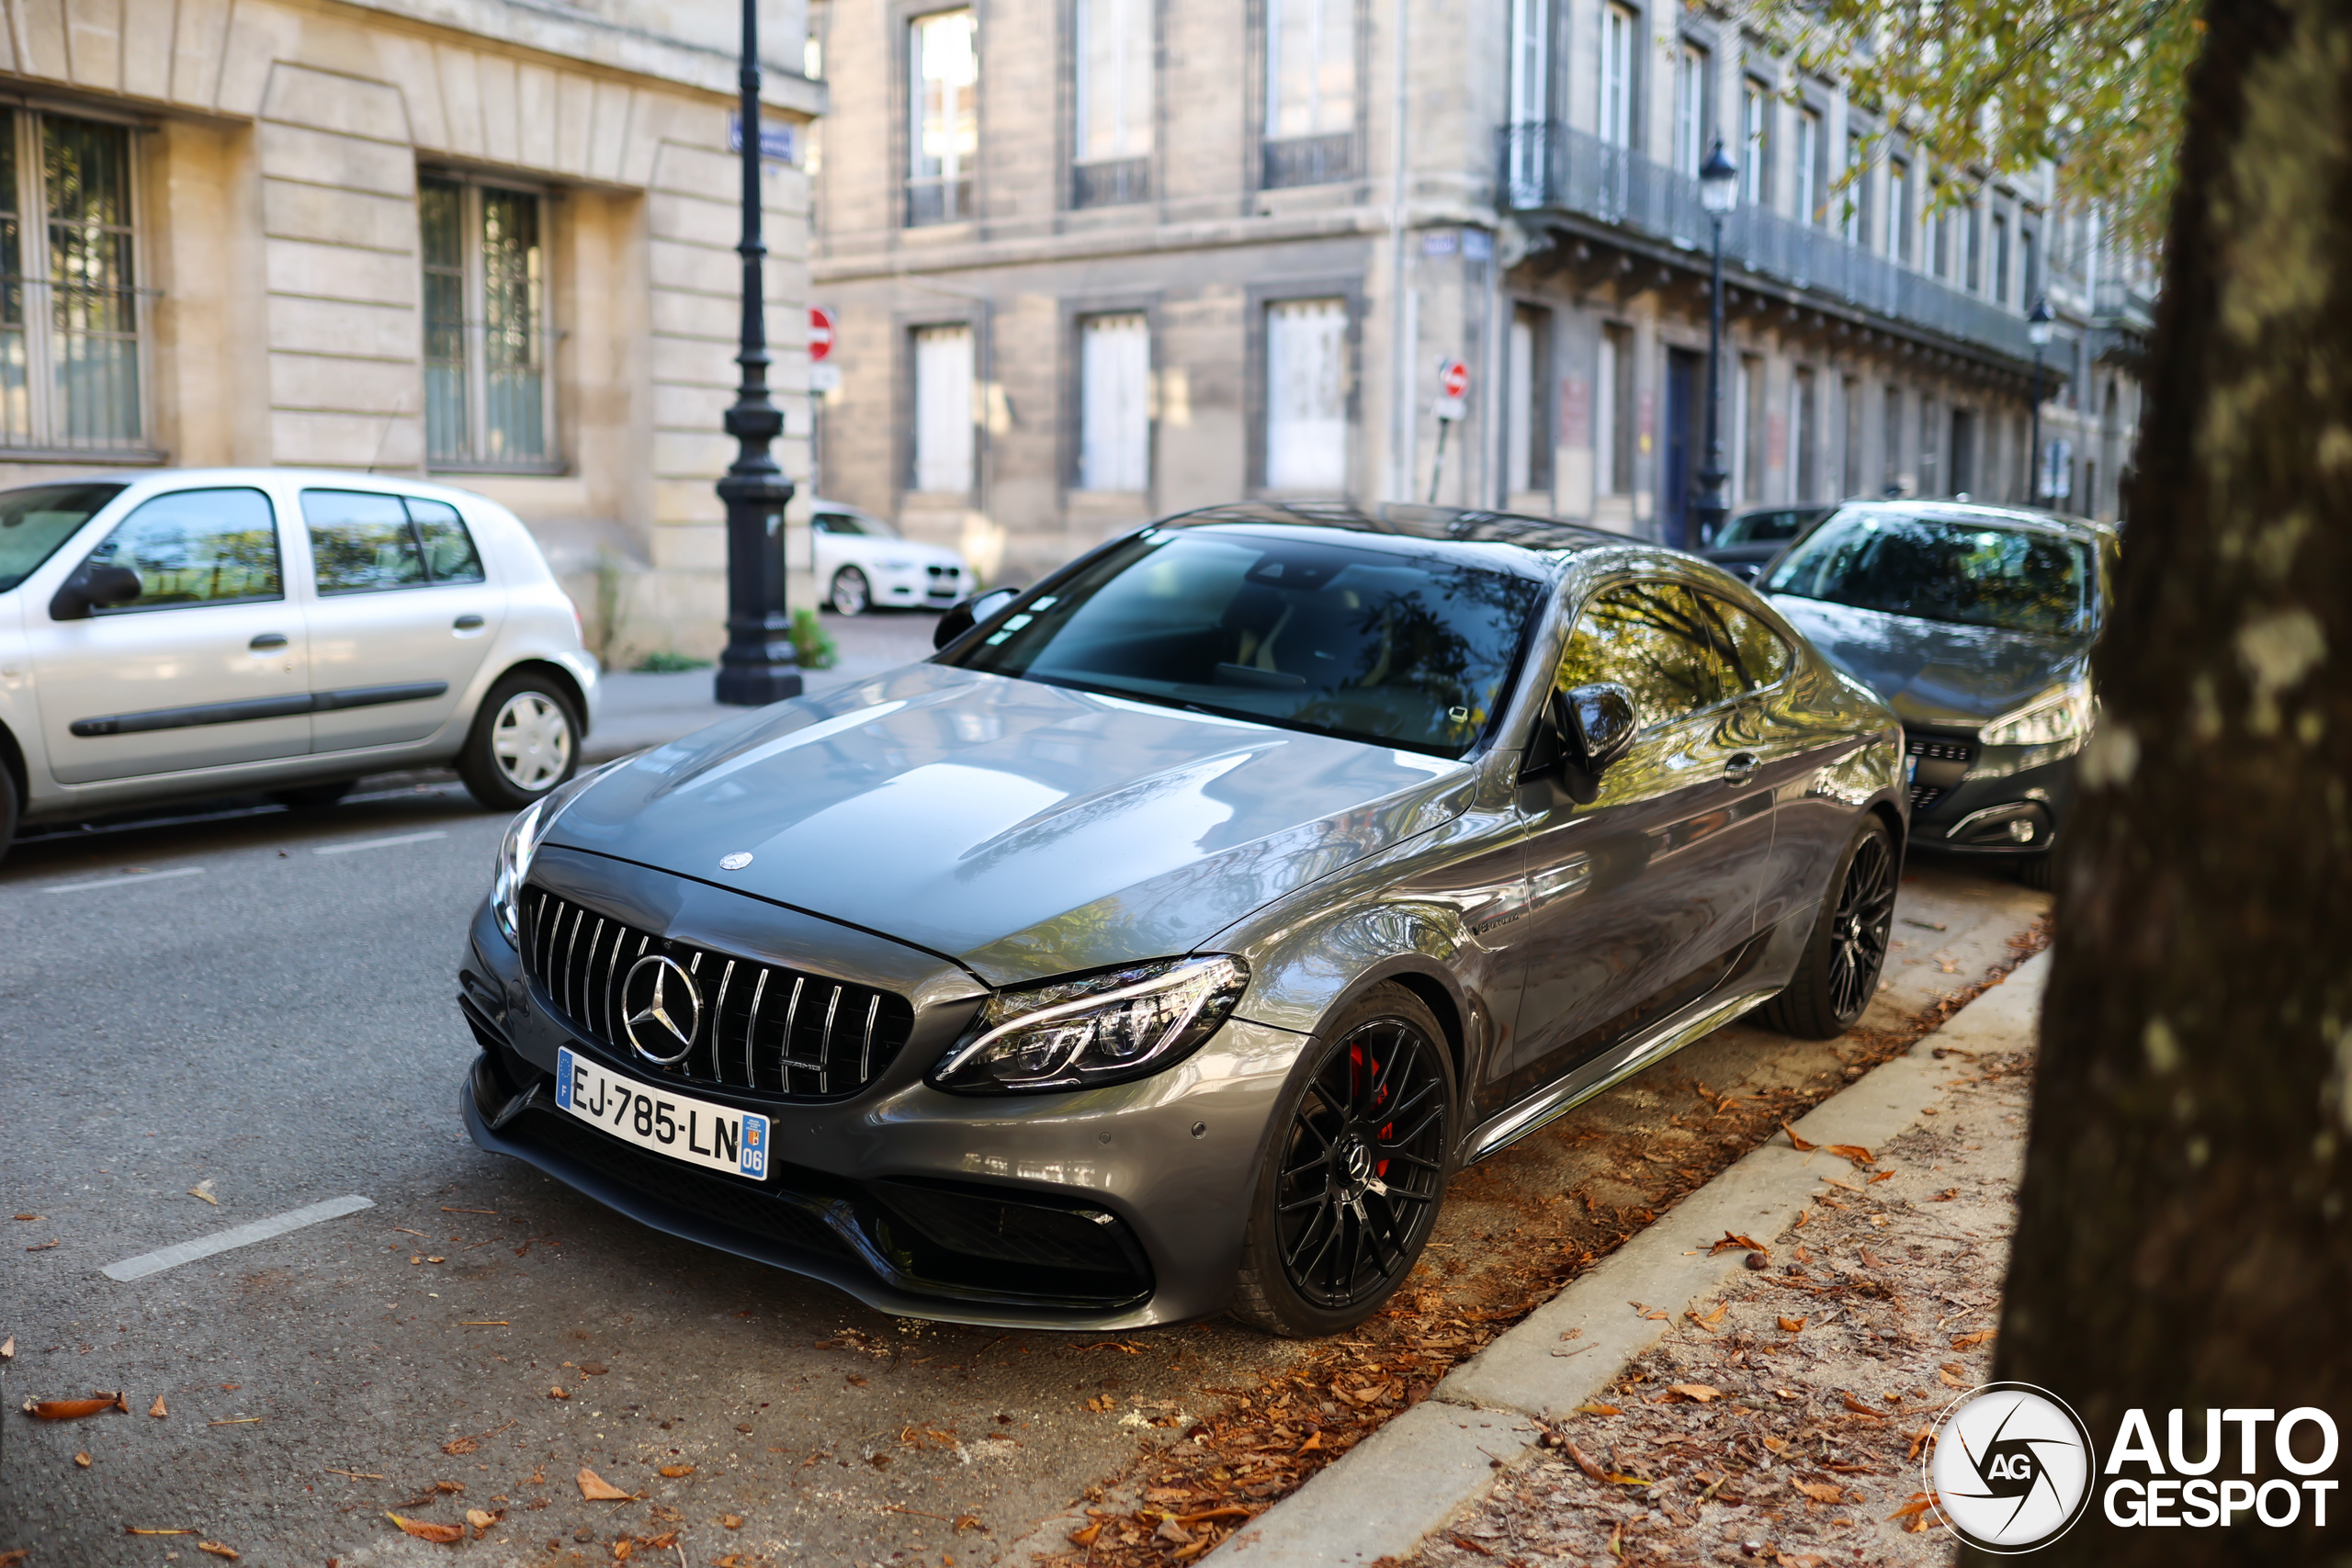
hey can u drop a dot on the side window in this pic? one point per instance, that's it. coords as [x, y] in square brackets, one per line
[1755, 653]
[197, 547]
[362, 542]
[1653, 639]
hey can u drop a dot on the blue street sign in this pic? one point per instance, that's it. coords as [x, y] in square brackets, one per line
[779, 142]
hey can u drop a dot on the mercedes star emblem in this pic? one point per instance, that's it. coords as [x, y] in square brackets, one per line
[735, 862]
[661, 1009]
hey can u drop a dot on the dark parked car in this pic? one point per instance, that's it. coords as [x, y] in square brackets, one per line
[1166, 943]
[1751, 539]
[1975, 624]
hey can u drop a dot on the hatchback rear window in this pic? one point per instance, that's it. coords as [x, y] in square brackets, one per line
[365, 542]
[36, 519]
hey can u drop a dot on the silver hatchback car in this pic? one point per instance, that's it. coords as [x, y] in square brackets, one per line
[1165, 943]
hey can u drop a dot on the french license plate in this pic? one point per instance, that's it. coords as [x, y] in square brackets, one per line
[694, 1130]
[1910, 770]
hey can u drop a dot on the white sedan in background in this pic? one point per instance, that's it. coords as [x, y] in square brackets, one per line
[863, 563]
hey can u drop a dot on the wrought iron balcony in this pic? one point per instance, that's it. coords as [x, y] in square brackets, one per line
[939, 200]
[1547, 167]
[1309, 160]
[1113, 182]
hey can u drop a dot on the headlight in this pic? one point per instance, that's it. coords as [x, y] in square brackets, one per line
[1104, 1028]
[521, 841]
[2063, 715]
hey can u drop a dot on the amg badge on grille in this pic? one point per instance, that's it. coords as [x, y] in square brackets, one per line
[735, 862]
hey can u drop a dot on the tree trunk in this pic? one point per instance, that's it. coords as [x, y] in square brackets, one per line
[2183, 1238]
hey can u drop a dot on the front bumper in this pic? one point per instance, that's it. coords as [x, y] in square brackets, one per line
[1971, 799]
[934, 585]
[1111, 1208]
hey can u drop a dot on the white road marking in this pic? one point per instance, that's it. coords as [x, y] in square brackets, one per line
[377, 843]
[148, 1263]
[128, 877]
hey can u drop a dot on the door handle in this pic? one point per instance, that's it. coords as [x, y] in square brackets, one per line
[469, 623]
[268, 642]
[1740, 768]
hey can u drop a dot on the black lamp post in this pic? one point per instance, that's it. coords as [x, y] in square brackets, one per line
[759, 665]
[2036, 331]
[1719, 193]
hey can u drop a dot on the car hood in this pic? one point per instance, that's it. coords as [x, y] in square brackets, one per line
[1021, 830]
[1933, 672]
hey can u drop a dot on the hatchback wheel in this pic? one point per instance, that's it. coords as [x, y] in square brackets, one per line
[525, 741]
[850, 594]
[1838, 975]
[1351, 1181]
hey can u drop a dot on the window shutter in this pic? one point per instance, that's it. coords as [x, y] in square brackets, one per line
[1307, 401]
[944, 409]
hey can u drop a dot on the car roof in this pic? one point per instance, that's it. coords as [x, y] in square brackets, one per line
[2081, 528]
[1439, 525]
[336, 478]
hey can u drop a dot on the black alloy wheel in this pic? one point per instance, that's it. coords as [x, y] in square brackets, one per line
[1838, 973]
[1355, 1173]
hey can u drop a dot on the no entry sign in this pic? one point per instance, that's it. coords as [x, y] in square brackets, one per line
[821, 335]
[1454, 379]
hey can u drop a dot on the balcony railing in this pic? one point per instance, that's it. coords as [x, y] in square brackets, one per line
[1546, 165]
[1110, 182]
[939, 200]
[1309, 160]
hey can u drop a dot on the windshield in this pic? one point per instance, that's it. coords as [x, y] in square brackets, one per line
[1394, 646]
[1766, 527]
[844, 523]
[1943, 569]
[36, 520]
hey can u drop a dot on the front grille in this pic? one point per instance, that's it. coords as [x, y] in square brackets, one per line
[1924, 795]
[761, 1027]
[1935, 748]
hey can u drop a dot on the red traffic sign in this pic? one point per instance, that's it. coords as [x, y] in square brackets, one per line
[1453, 379]
[821, 335]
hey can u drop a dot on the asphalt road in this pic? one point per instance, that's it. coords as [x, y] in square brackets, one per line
[259, 1005]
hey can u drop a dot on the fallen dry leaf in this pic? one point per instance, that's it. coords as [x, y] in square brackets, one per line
[44, 1245]
[1881, 1175]
[1778, 1445]
[1731, 1240]
[621, 1549]
[1870, 1259]
[596, 1489]
[1852, 1152]
[1583, 1461]
[156, 1409]
[1711, 1319]
[204, 1190]
[28, 1216]
[9, 1348]
[671, 1471]
[1600, 1409]
[1793, 1325]
[445, 1535]
[1858, 1408]
[1796, 1143]
[1086, 1537]
[1803, 1215]
[14, 1555]
[1820, 1491]
[74, 1409]
[1919, 1439]
[1698, 1391]
[558, 1393]
[82, 1459]
[593, 1369]
[482, 1519]
[459, 1446]
[732, 1521]
[448, 1486]
[1970, 1341]
[216, 1550]
[1920, 1503]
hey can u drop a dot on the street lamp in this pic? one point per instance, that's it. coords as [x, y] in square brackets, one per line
[759, 665]
[2036, 331]
[1719, 193]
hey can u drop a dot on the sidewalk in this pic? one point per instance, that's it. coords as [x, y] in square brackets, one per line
[1676, 1404]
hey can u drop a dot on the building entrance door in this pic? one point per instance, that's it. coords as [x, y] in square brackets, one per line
[1677, 481]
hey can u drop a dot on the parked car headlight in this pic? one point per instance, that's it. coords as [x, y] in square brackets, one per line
[521, 841]
[2063, 714]
[1105, 1028]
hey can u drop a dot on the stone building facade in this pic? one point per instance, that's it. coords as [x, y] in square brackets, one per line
[488, 241]
[1095, 260]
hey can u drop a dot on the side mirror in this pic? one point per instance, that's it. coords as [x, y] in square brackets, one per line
[1597, 722]
[965, 614]
[94, 584]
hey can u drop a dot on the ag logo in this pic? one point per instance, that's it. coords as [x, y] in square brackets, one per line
[2011, 1467]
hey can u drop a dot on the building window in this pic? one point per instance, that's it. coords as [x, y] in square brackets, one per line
[1618, 30]
[1939, 235]
[1527, 405]
[1805, 176]
[1306, 395]
[1113, 394]
[1898, 212]
[1689, 109]
[1751, 428]
[1853, 221]
[2000, 289]
[2028, 268]
[1531, 61]
[1976, 222]
[1755, 141]
[1891, 436]
[1310, 91]
[1804, 437]
[1850, 398]
[486, 385]
[1614, 419]
[1114, 102]
[944, 111]
[69, 294]
[943, 422]
[1929, 442]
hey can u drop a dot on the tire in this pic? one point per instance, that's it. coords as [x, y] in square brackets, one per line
[850, 594]
[312, 797]
[1344, 1201]
[10, 808]
[1838, 972]
[525, 741]
[2039, 872]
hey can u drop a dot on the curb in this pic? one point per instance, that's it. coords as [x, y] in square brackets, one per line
[1425, 1466]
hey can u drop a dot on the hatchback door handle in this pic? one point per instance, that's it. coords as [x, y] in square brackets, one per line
[268, 642]
[469, 623]
[1741, 768]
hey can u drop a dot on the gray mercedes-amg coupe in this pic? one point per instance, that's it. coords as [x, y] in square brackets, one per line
[1164, 944]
